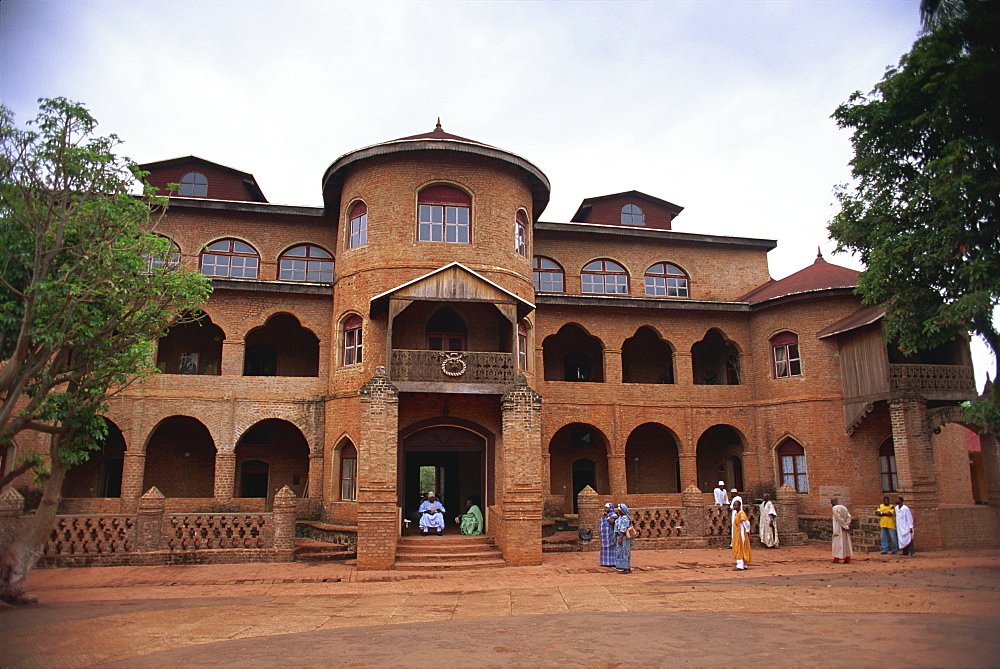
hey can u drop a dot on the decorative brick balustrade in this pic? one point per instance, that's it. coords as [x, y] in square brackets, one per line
[658, 522]
[218, 530]
[101, 535]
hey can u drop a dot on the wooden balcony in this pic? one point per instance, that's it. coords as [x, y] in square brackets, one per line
[933, 382]
[452, 372]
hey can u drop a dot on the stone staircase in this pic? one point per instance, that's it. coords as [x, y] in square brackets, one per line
[866, 536]
[312, 550]
[454, 551]
[320, 542]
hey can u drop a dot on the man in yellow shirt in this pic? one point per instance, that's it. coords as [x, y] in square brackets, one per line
[887, 522]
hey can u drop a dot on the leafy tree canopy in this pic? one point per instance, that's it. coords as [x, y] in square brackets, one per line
[923, 211]
[81, 303]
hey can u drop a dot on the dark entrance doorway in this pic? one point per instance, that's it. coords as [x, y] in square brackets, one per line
[253, 478]
[452, 461]
[584, 474]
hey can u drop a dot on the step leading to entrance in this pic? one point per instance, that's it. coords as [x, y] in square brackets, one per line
[447, 552]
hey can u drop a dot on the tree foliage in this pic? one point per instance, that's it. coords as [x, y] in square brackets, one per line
[923, 211]
[81, 303]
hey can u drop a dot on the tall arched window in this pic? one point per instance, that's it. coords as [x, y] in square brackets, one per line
[232, 258]
[548, 275]
[522, 346]
[887, 466]
[444, 215]
[666, 280]
[632, 215]
[792, 463]
[352, 340]
[604, 276]
[359, 225]
[306, 262]
[348, 473]
[193, 184]
[521, 234]
[785, 353]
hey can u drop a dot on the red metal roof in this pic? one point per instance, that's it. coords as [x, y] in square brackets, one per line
[860, 318]
[820, 275]
[437, 133]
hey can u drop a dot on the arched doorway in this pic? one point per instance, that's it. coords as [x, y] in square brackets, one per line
[455, 461]
[571, 449]
[270, 455]
[652, 464]
[720, 458]
[101, 474]
[180, 458]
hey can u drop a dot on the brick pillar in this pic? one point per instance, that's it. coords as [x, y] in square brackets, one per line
[232, 357]
[521, 504]
[590, 511]
[683, 373]
[787, 504]
[283, 517]
[133, 472]
[149, 522]
[915, 465]
[689, 471]
[617, 480]
[991, 464]
[612, 366]
[225, 474]
[11, 510]
[695, 516]
[378, 514]
[316, 489]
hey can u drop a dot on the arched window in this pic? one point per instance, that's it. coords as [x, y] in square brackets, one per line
[604, 276]
[193, 184]
[166, 262]
[792, 463]
[306, 262]
[548, 275]
[887, 466]
[349, 473]
[521, 234]
[232, 258]
[444, 215]
[352, 340]
[359, 225]
[785, 353]
[666, 280]
[522, 346]
[632, 215]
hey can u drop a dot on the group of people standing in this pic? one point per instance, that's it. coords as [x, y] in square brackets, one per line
[740, 524]
[617, 536]
[895, 524]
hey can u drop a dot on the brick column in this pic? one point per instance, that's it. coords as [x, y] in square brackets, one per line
[689, 471]
[991, 466]
[232, 357]
[915, 465]
[612, 366]
[11, 510]
[283, 517]
[695, 516]
[378, 514]
[521, 504]
[316, 489]
[133, 472]
[683, 373]
[149, 522]
[617, 480]
[787, 504]
[225, 474]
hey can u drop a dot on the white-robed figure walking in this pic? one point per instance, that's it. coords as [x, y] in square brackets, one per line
[904, 528]
[768, 520]
[431, 515]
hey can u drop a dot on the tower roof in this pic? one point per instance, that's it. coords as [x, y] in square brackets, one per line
[820, 275]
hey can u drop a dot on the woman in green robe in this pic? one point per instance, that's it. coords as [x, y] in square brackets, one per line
[471, 521]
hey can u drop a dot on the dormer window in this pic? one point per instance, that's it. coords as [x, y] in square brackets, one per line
[632, 215]
[193, 184]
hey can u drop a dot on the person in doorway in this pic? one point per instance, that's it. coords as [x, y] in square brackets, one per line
[904, 528]
[471, 522]
[721, 498]
[431, 515]
[741, 536]
[768, 523]
[842, 549]
[623, 543]
[887, 525]
[732, 508]
[607, 533]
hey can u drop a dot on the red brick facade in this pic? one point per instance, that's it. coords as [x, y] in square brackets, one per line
[639, 396]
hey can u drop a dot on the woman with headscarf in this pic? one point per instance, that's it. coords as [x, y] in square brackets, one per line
[623, 545]
[607, 534]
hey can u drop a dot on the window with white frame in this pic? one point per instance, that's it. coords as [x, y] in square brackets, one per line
[193, 184]
[306, 262]
[666, 280]
[604, 276]
[792, 463]
[444, 215]
[352, 340]
[521, 234]
[632, 215]
[230, 258]
[548, 275]
[785, 354]
[358, 218]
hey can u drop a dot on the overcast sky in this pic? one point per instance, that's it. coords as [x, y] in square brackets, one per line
[722, 107]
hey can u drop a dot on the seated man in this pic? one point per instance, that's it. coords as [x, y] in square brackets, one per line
[471, 521]
[431, 515]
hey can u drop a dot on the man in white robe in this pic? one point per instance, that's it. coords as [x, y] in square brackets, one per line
[732, 509]
[431, 515]
[904, 528]
[842, 549]
[721, 498]
[768, 521]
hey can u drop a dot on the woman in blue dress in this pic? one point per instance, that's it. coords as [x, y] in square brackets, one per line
[607, 535]
[623, 545]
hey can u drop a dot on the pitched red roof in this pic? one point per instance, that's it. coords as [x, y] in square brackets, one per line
[437, 133]
[860, 318]
[820, 275]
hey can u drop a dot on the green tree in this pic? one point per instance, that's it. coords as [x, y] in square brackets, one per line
[923, 211]
[81, 303]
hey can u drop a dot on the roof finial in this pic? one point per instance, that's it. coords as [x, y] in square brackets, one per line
[819, 255]
[438, 126]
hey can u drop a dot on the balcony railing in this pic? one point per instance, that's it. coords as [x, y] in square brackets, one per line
[453, 367]
[933, 381]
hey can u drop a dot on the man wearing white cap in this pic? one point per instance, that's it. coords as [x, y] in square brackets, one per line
[721, 498]
[732, 509]
[431, 515]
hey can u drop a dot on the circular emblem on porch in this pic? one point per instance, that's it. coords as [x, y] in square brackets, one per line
[453, 364]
